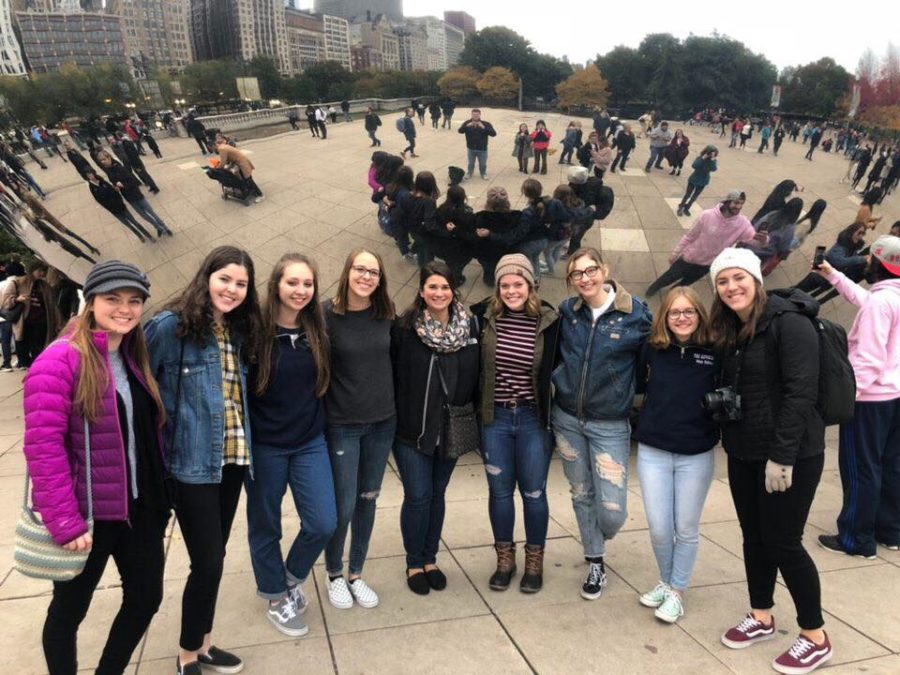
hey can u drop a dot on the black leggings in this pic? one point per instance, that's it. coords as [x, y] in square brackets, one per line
[205, 514]
[772, 525]
[690, 195]
[540, 161]
[137, 549]
[681, 272]
[621, 156]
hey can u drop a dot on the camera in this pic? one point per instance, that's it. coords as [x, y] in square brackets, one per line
[724, 404]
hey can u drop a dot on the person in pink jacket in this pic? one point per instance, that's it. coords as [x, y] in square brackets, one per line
[97, 378]
[869, 446]
[714, 230]
[540, 141]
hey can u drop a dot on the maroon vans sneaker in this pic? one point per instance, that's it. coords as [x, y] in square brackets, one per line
[804, 656]
[748, 632]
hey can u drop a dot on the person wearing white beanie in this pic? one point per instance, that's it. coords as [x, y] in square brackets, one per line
[775, 441]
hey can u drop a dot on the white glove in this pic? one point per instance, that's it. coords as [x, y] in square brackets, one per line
[778, 477]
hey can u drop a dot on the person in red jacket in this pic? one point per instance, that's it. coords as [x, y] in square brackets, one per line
[540, 138]
[92, 391]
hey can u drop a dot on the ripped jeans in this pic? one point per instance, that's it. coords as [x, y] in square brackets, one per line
[595, 460]
[359, 454]
[517, 451]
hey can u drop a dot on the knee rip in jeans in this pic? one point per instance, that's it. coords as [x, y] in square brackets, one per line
[565, 449]
[610, 470]
[493, 470]
[373, 495]
[533, 495]
[581, 491]
[612, 506]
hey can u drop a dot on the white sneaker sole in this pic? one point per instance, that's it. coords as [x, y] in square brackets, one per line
[788, 670]
[340, 604]
[747, 643]
[652, 604]
[281, 628]
[666, 618]
[591, 596]
[366, 604]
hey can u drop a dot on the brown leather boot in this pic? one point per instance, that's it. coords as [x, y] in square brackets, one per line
[506, 565]
[533, 579]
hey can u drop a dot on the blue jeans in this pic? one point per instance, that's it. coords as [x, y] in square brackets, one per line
[532, 250]
[674, 489]
[517, 451]
[656, 155]
[552, 251]
[307, 471]
[481, 156]
[425, 479]
[32, 182]
[595, 461]
[142, 206]
[372, 133]
[359, 453]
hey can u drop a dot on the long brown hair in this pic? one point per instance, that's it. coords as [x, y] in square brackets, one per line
[408, 319]
[93, 373]
[382, 304]
[194, 306]
[311, 319]
[727, 328]
[532, 304]
[660, 335]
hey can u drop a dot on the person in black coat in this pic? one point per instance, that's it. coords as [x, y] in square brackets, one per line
[123, 180]
[435, 354]
[135, 163]
[109, 198]
[453, 237]
[79, 162]
[197, 131]
[775, 442]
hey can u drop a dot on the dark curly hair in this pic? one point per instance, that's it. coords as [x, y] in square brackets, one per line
[194, 306]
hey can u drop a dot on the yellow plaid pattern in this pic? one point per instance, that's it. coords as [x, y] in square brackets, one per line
[235, 448]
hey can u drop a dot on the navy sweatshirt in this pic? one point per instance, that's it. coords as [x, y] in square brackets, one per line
[674, 382]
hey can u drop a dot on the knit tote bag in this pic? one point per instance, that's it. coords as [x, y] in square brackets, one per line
[37, 555]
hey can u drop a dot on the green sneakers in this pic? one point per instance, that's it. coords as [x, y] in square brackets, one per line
[671, 609]
[666, 602]
[655, 597]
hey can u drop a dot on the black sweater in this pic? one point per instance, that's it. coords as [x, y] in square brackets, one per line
[674, 382]
[417, 386]
[108, 197]
[778, 384]
[130, 189]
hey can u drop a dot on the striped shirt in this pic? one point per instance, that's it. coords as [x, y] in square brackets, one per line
[516, 334]
[235, 450]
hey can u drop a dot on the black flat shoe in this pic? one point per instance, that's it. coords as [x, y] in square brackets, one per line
[418, 583]
[436, 579]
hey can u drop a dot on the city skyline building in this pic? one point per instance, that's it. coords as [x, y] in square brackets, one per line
[462, 20]
[157, 33]
[359, 9]
[337, 40]
[306, 38]
[51, 39]
[11, 60]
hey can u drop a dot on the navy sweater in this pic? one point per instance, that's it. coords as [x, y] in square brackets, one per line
[289, 414]
[674, 381]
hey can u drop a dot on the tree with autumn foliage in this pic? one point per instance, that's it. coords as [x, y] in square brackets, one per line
[460, 84]
[498, 85]
[585, 88]
[879, 83]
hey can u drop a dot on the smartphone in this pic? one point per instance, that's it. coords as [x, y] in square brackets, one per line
[819, 257]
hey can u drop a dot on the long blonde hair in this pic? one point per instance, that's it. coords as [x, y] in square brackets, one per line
[94, 375]
[661, 336]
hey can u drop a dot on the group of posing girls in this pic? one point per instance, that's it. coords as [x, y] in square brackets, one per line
[222, 391]
[547, 229]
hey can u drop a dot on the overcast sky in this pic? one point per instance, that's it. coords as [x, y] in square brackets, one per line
[785, 33]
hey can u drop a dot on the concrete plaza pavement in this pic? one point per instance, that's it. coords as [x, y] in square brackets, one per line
[317, 202]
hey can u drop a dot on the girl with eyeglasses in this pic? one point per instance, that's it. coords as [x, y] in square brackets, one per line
[360, 417]
[287, 407]
[603, 331]
[676, 436]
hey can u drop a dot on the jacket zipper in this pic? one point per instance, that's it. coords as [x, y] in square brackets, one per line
[425, 402]
[587, 360]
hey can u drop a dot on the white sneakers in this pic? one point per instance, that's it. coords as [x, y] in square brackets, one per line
[341, 594]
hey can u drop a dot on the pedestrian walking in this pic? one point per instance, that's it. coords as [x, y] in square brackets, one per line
[702, 167]
[345, 109]
[371, 124]
[107, 196]
[660, 138]
[123, 180]
[408, 128]
[677, 151]
[624, 143]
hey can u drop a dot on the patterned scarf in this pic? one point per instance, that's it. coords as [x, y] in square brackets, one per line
[442, 340]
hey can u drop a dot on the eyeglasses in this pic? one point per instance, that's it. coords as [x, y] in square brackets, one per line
[678, 313]
[589, 272]
[365, 272]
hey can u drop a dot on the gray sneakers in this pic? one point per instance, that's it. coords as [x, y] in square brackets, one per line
[284, 617]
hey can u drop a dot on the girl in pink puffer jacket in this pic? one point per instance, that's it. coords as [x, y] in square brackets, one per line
[99, 371]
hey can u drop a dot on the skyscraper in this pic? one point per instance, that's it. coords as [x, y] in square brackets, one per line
[157, 32]
[465, 22]
[360, 9]
[240, 30]
[11, 61]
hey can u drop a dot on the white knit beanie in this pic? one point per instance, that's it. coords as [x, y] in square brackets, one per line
[742, 258]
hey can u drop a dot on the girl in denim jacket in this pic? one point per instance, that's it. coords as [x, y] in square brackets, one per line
[197, 347]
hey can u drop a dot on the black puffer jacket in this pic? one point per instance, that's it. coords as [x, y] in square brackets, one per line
[778, 384]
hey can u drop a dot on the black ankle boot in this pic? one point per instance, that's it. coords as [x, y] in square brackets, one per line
[533, 579]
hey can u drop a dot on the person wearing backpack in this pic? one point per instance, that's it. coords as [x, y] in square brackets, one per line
[407, 127]
[869, 446]
[774, 437]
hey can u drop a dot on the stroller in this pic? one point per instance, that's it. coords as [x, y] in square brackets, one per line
[233, 186]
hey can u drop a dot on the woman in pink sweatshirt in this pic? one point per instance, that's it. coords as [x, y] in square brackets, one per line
[869, 446]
